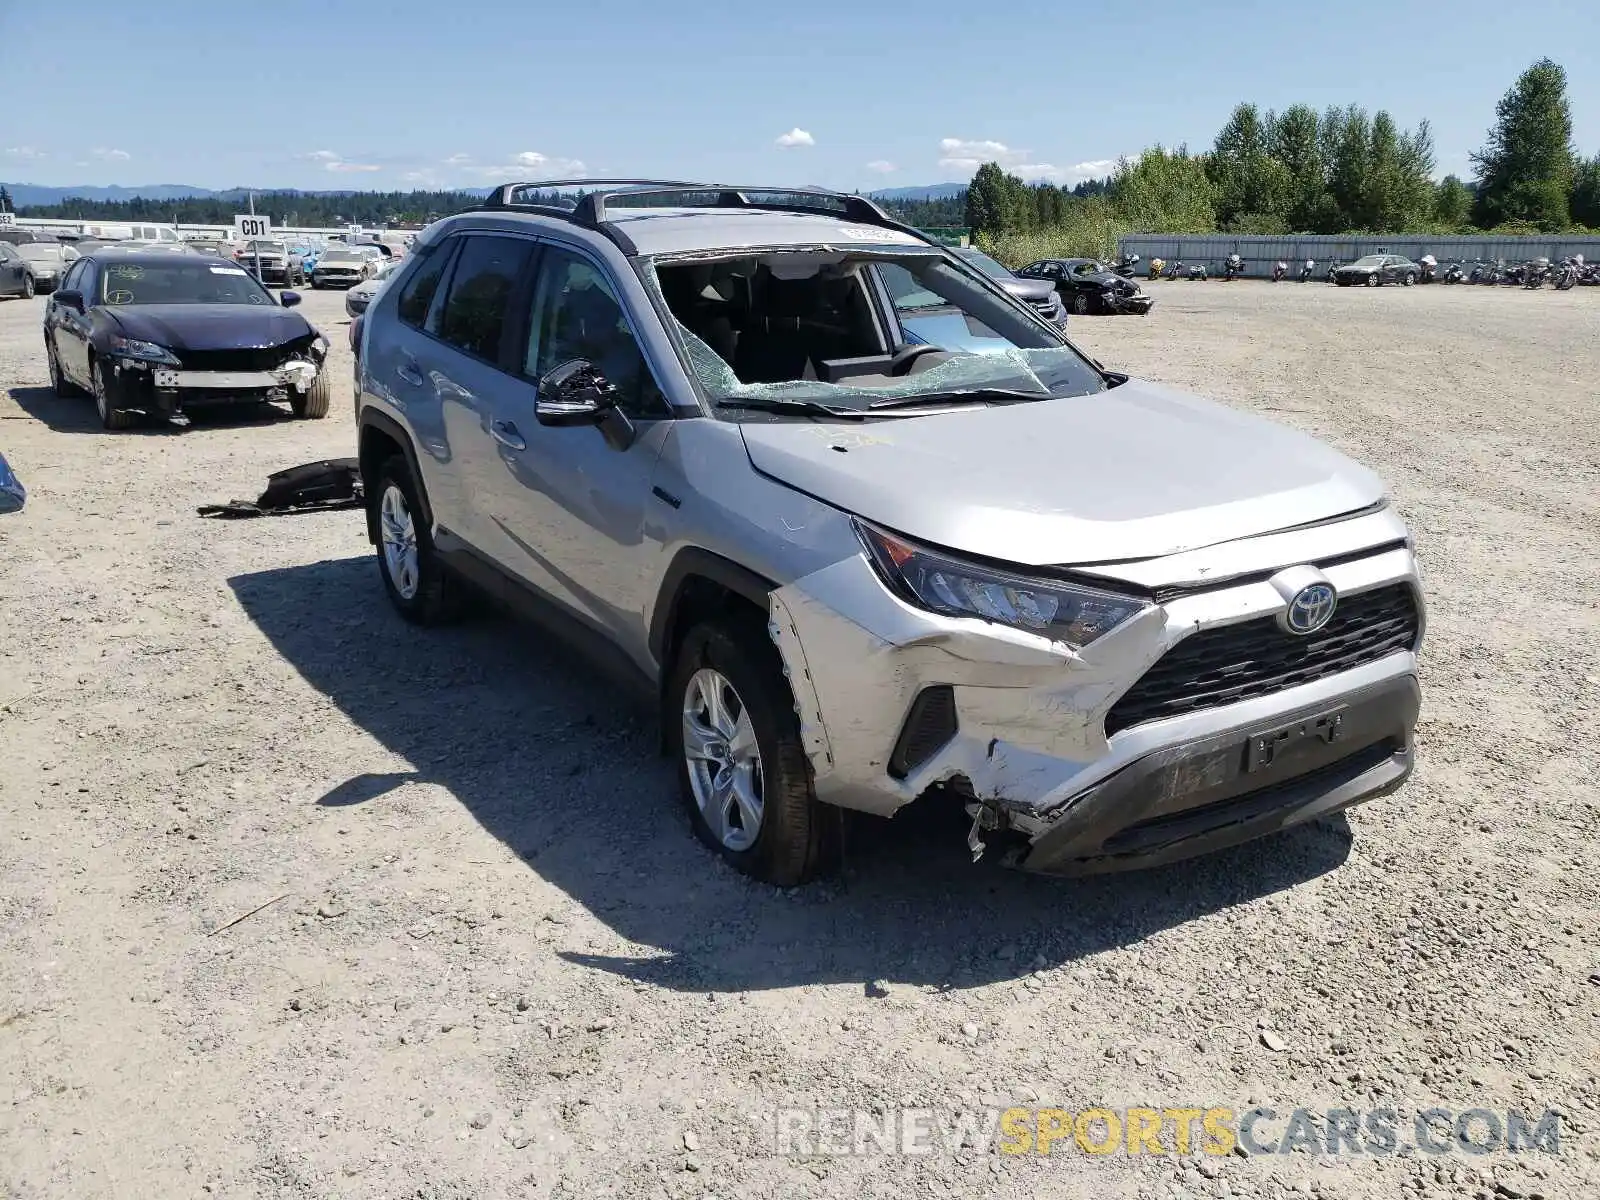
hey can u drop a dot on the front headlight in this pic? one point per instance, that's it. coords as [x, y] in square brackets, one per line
[143, 351]
[1063, 612]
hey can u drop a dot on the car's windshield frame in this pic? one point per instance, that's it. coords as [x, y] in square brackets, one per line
[255, 296]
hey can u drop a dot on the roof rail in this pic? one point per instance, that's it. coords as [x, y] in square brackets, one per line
[590, 208]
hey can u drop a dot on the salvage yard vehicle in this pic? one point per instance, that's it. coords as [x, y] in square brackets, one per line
[48, 261]
[163, 334]
[273, 261]
[1374, 270]
[1089, 286]
[1040, 294]
[16, 273]
[13, 496]
[358, 297]
[686, 426]
[343, 266]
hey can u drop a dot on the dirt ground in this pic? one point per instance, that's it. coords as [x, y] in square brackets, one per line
[495, 961]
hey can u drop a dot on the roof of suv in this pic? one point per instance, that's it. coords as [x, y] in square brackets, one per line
[733, 222]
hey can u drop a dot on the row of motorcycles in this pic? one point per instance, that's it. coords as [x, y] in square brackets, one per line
[1533, 274]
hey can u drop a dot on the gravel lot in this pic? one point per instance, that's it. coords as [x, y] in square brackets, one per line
[502, 966]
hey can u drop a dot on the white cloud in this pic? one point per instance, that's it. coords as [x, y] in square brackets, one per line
[350, 167]
[961, 154]
[457, 160]
[106, 155]
[882, 166]
[322, 156]
[795, 137]
[531, 163]
[424, 177]
[24, 152]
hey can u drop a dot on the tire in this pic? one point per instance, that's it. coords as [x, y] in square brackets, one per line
[313, 405]
[428, 595]
[27, 286]
[110, 418]
[1411, 277]
[1373, 281]
[63, 387]
[795, 840]
[1080, 304]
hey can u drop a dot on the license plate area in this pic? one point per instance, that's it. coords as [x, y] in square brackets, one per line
[1271, 747]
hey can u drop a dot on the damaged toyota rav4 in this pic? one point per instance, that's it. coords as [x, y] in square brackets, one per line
[874, 535]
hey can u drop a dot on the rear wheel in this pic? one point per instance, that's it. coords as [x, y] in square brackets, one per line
[1372, 280]
[742, 768]
[412, 574]
[111, 417]
[313, 405]
[1411, 277]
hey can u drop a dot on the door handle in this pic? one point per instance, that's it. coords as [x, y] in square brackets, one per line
[506, 433]
[409, 372]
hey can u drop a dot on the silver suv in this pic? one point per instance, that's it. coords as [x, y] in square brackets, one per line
[871, 532]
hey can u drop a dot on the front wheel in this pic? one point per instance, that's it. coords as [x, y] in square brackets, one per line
[412, 573]
[1409, 279]
[742, 768]
[313, 405]
[1080, 303]
[59, 383]
[111, 417]
[1372, 281]
[27, 287]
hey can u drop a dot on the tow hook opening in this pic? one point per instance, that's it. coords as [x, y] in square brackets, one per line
[990, 827]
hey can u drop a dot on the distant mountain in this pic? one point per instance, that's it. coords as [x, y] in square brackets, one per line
[931, 191]
[25, 194]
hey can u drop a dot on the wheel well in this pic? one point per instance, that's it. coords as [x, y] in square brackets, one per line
[376, 448]
[697, 598]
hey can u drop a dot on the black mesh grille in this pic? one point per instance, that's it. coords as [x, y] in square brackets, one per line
[237, 360]
[930, 724]
[1256, 658]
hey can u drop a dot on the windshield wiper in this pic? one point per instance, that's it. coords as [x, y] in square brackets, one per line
[975, 396]
[780, 404]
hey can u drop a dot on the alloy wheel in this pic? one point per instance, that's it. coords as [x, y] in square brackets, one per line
[399, 534]
[723, 759]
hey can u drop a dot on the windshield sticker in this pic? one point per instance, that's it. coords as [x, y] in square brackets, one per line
[227, 270]
[127, 271]
[877, 235]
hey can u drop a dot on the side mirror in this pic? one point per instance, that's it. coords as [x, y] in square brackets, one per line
[12, 494]
[70, 299]
[288, 299]
[575, 393]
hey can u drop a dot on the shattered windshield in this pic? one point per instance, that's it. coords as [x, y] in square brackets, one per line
[825, 332]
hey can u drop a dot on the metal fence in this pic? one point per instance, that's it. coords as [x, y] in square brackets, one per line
[1259, 253]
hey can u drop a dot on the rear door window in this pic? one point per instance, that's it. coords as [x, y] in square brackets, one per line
[486, 274]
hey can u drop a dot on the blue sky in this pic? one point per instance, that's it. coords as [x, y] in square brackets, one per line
[358, 94]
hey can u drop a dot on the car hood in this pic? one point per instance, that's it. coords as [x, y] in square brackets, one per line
[210, 326]
[1028, 289]
[1138, 471]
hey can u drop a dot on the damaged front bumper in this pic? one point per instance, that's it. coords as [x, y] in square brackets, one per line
[1120, 302]
[1017, 726]
[168, 390]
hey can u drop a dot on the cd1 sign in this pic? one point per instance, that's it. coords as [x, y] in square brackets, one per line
[246, 226]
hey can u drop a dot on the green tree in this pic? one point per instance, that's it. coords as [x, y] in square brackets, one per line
[1452, 203]
[1246, 177]
[1347, 136]
[1586, 193]
[1164, 193]
[1296, 144]
[987, 200]
[1525, 169]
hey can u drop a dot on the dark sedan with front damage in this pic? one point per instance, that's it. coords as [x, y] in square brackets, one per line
[1089, 286]
[160, 334]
